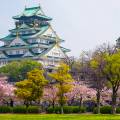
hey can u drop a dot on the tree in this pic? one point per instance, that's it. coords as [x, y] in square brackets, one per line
[6, 91]
[63, 83]
[17, 70]
[81, 92]
[31, 89]
[112, 72]
[50, 95]
[97, 79]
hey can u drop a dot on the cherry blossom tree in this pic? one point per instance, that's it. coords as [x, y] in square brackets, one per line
[81, 93]
[50, 95]
[6, 91]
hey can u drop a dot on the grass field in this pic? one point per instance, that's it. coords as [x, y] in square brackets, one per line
[58, 117]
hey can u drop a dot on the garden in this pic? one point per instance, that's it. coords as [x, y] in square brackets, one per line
[78, 89]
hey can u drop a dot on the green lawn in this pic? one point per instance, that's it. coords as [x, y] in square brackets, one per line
[58, 117]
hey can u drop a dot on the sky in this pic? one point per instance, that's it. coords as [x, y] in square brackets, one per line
[83, 24]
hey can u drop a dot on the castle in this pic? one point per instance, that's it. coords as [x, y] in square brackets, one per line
[33, 38]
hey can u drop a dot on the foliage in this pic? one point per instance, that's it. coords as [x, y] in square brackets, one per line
[112, 72]
[5, 109]
[33, 109]
[103, 110]
[17, 70]
[31, 89]
[98, 82]
[19, 109]
[81, 93]
[50, 95]
[106, 110]
[95, 110]
[6, 90]
[67, 109]
[63, 82]
[118, 110]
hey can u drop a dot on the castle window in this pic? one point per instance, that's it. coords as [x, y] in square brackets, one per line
[17, 52]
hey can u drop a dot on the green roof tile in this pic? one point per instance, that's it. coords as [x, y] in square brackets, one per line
[34, 11]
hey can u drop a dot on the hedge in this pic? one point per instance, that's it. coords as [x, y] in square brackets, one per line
[67, 109]
[103, 110]
[5, 109]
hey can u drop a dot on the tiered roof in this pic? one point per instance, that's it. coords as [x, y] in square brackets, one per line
[34, 13]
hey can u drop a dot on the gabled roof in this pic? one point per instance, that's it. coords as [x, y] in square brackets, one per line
[32, 12]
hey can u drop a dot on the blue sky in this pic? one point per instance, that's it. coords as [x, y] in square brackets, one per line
[84, 24]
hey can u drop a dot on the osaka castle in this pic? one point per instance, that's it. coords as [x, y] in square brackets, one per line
[32, 38]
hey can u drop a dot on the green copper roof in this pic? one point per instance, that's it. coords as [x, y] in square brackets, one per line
[31, 11]
[41, 30]
[34, 11]
[11, 37]
[64, 49]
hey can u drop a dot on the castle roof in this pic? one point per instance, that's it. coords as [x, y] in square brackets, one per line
[34, 12]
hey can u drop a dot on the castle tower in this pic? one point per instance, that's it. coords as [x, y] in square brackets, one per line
[32, 38]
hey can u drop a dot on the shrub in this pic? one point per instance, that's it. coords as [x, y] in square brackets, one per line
[53, 110]
[33, 109]
[75, 109]
[20, 109]
[95, 110]
[57, 110]
[106, 110]
[5, 109]
[82, 110]
[67, 109]
[118, 110]
[50, 110]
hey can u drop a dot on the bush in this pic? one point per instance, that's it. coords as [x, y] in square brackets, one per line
[53, 110]
[33, 109]
[57, 110]
[67, 109]
[103, 110]
[95, 110]
[75, 109]
[118, 110]
[5, 109]
[106, 110]
[20, 109]
[50, 110]
[82, 110]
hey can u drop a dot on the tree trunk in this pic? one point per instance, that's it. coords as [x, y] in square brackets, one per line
[62, 111]
[11, 103]
[26, 103]
[61, 104]
[114, 98]
[80, 103]
[98, 101]
[53, 105]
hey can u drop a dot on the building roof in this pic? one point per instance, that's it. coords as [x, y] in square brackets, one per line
[11, 37]
[25, 46]
[65, 49]
[39, 33]
[32, 12]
